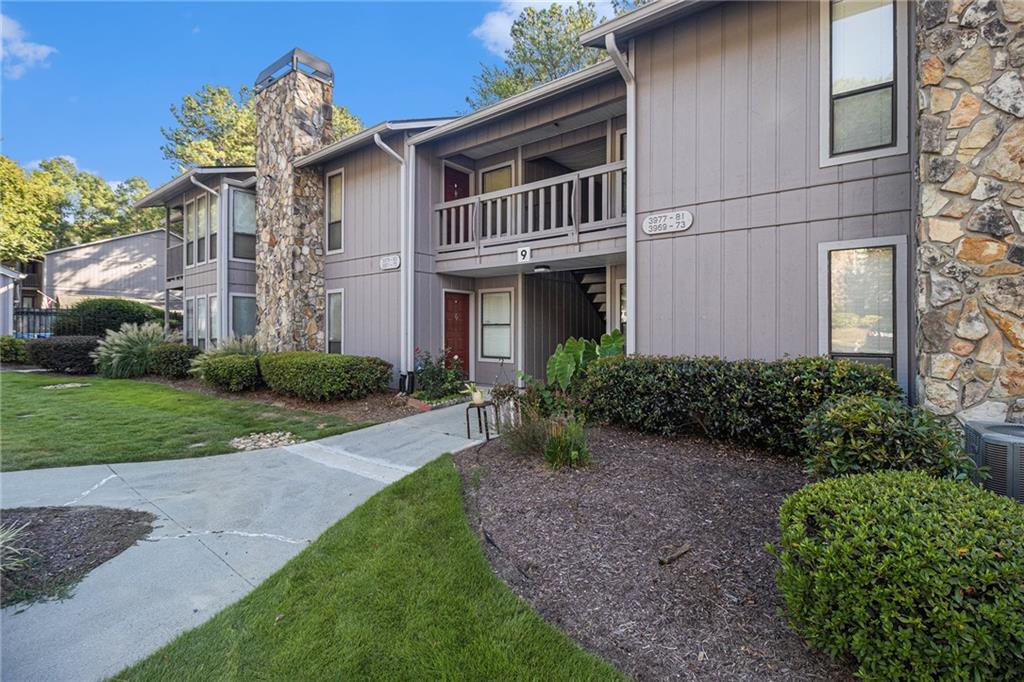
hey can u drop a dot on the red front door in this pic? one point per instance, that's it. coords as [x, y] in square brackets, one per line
[456, 329]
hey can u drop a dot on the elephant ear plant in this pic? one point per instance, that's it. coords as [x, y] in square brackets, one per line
[571, 358]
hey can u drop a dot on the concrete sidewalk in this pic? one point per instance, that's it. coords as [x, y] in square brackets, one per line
[224, 524]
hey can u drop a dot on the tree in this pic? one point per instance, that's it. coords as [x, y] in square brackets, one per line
[216, 128]
[24, 207]
[80, 207]
[545, 46]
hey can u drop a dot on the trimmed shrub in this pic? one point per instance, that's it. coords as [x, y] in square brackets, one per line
[323, 376]
[173, 360]
[915, 578]
[239, 346]
[97, 316]
[233, 373]
[69, 354]
[762, 403]
[12, 350]
[862, 433]
[128, 352]
[567, 444]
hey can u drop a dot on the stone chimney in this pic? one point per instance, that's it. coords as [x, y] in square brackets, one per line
[293, 118]
[970, 251]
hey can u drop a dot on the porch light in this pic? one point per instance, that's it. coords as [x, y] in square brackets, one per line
[542, 268]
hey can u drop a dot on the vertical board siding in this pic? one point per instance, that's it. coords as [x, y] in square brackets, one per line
[554, 308]
[130, 267]
[727, 127]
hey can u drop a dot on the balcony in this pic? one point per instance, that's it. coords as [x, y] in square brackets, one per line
[175, 255]
[560, 208]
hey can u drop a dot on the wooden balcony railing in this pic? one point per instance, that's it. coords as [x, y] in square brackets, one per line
[174, 261]
[590, 199]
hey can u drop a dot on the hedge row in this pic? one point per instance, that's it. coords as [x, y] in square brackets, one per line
[762, 403]
[319, 376]
[12, 350]
[69, 354]
[96, 316]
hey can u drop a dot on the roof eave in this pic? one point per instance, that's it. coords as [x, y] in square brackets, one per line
[364, 137]
[175, 186]
[524, 99]
[643, 19]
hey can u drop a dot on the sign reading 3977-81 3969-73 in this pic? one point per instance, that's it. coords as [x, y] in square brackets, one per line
[672, 221]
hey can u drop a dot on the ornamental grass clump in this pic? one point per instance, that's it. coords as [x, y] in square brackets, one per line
[912, 577]
[857, 434]
[128, 352]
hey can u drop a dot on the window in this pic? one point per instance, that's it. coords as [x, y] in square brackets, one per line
[201, 321]
[496, 213]
[190, 233]
[201, 224]
[623, 317]
[496, 325]
[189, 322]
[336, 321]
[862, 304]
[335, 205]
[243, 225]
[862, 53]
[214, 324]
[214, 219]
[243, 316]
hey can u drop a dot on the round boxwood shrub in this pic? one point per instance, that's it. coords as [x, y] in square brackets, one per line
[857, 434]
[173, 360]
[913, 577]
[752, 401]
[12, 350]
[233, 372]
[323, 376]
[69, 354]
[97, 316]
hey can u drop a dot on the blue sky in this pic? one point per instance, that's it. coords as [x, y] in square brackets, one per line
[94, 81]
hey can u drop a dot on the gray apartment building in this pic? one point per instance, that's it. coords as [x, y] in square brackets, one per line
[743, 179]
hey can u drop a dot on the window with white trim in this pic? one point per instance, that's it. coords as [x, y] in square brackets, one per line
[336, 321]
[243, 225]
[243, 316]
[214, 220]
[496, 325]
[214, 323]
[201, 321]
[201, 226]
[335, 211]
[190, 233]
[188, 324]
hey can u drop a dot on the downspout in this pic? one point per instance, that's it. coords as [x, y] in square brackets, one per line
[202, 186]
[627, 75]
[404, 296]
[408, 263]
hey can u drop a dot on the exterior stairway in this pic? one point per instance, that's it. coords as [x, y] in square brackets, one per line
[596, 288]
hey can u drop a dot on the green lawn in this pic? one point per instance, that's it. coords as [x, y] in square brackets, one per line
[397, 590]
[119, 420]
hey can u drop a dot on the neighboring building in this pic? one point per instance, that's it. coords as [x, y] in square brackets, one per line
[738, 179]
[130, 266]
[8, 291]
[29, 291]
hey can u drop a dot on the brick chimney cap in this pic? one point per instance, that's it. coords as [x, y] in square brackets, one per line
[295, 60]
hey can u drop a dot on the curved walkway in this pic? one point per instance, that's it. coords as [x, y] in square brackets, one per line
[224, 524]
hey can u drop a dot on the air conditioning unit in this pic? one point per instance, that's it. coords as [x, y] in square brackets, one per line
[1000, 447]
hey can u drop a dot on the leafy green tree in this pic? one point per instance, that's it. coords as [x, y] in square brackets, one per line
[24, 210]
[214, 127]
[545, 46]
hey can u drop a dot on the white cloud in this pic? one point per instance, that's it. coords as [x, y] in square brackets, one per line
[195, 30]
[495, 30]
[18, 54]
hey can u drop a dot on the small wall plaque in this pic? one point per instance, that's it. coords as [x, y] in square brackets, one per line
[672, 221]
[392, 262]
[524, 254]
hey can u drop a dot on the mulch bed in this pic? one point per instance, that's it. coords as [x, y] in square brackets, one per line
[65, 543]
[377, 408]
[583, 548]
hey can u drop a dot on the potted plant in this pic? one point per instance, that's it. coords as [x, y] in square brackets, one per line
[474, 393]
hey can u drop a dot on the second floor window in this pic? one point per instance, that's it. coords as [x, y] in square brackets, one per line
[190, 233]
[214, 219]
[862, 75]
[201, 224]
[243, 225]
[335, 211]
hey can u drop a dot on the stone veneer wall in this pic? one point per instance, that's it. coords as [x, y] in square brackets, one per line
[293, 118]
[970, 266]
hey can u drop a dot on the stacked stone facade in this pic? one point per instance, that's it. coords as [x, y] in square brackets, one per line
[293, 118]
[970, 265]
